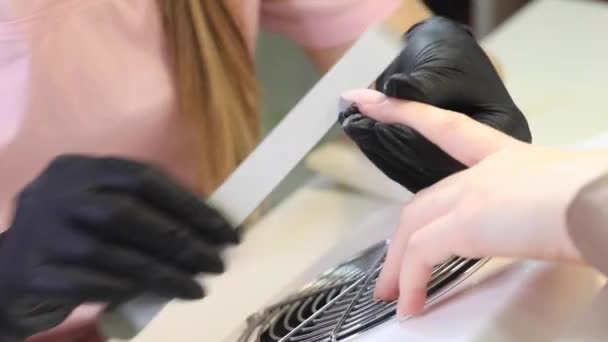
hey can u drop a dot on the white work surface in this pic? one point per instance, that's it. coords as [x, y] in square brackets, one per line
[554, 55]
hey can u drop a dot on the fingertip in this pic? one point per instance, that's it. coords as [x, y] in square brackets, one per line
[418, 301]
[236, 235]
[192, 291]
[361, 96]
[413, 279]
[387, 284]
[380, 293]
[402, 312]
[214, 265]
[225, 234]
[411, 303]
[385, 288]
[403, 309]
[199, 293]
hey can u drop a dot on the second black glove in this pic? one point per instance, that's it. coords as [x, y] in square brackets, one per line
[102, 230]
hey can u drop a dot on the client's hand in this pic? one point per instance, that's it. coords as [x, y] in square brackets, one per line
[511, 202]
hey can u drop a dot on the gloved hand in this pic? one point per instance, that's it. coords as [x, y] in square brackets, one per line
[442, 65]
[102, 230]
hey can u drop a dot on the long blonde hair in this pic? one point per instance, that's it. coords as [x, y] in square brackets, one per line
[215, 82]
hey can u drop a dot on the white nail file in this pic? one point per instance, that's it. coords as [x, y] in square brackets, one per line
[288, 143]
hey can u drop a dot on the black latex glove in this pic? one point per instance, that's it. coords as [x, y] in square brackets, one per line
[442, 65]
[102, 230]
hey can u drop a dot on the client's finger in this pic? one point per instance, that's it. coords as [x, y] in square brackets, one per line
[426, 206]
[463, 138]
[428, 247]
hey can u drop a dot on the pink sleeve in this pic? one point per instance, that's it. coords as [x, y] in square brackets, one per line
[324, 23]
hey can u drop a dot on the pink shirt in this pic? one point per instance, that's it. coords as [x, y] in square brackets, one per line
[92, 77]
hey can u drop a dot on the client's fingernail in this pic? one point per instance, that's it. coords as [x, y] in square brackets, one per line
[343, 104]
[403, 317]
[361, 96]
[402, 313]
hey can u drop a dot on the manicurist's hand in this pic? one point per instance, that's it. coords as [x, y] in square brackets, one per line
[102, 230]
[442, 65]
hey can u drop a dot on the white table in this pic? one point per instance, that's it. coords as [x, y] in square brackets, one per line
[554, 54]
[555, 68]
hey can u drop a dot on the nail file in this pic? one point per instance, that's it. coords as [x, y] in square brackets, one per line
[272, 160]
